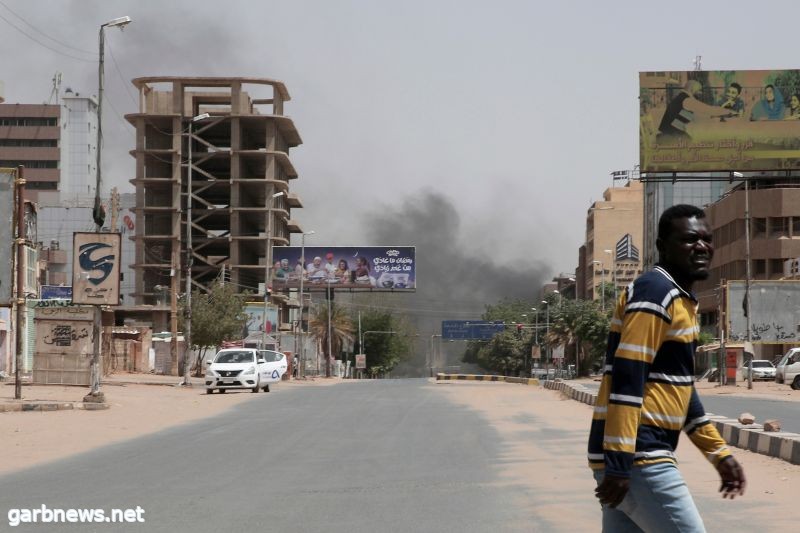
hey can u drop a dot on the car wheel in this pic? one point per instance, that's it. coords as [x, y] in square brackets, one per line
[266, 388]
[257, 387]
[221, 391]
[796, 383]
[209, 391]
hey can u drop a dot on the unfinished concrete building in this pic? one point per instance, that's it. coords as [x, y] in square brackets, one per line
[231, 164]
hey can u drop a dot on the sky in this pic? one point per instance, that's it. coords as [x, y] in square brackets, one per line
[494, 125]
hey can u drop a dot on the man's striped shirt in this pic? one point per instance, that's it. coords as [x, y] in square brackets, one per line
[647, 394]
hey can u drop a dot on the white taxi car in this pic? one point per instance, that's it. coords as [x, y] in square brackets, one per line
[244, 368]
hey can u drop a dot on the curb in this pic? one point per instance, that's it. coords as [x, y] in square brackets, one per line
[479, 377]
[51, 406]
[750, 437]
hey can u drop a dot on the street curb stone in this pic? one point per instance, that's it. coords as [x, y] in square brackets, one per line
[479, 377]
[750, 437]
[51, 406]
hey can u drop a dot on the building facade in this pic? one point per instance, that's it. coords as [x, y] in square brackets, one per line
[611, 253]
[224, 143]
[774, 244]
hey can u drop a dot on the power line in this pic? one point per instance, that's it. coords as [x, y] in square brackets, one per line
[34, 28]
[34, 39]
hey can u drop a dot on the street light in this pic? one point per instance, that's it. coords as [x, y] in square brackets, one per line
[302, 302]
[120, 23]
[747, 274]
[547, 332]
[268, 266]
[602, 282]
[187, 311]
[97, 212]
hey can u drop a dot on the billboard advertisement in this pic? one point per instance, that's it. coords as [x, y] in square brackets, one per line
[6, 234]
[728, 120]
[376, 268]
[95, 268]
[774, 312]
[255, 319]
[471, 329]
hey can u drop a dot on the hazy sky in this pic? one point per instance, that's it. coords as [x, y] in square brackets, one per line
[509, 114]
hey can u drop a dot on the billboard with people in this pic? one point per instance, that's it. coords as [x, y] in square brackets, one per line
[726, 120]
[376, 268]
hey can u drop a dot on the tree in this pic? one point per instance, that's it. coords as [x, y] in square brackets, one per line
[584, 324]
[384, 351]
[341, 329]
[217, 315]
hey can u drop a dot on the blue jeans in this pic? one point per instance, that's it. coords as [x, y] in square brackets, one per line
[658, 501]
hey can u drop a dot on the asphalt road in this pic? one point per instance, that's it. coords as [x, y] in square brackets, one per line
[732, 406]
[356, 457]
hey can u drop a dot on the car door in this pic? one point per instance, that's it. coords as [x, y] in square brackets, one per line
[275, 365]
[263, 369]
[792, 367]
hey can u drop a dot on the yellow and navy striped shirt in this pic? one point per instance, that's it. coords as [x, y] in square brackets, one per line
[647, 394]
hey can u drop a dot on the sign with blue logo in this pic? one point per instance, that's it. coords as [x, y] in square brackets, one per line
[95, 268]
[471, 329]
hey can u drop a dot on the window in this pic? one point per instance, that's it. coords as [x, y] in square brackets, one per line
[795, 226]
[33, 143]
[29, 164]
[760, 267]
[28, 121]
[778, 227]
[40, 185]
[759, 230]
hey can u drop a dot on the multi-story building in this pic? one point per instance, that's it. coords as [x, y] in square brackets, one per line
[775, 241]
[29, 136]
[613, 233]
[233, 164]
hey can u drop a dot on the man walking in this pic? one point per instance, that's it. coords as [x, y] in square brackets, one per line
[647, 395]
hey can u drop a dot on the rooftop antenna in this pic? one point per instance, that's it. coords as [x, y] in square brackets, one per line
[698, 60]
[56, 87]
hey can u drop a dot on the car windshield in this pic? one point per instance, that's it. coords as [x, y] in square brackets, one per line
[270, 356]
[762, 364]
[234, 357]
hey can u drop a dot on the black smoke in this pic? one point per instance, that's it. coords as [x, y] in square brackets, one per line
[456, 279]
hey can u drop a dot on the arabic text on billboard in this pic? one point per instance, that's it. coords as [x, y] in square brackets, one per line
[470, 329]
[377, 268]
[698, 121]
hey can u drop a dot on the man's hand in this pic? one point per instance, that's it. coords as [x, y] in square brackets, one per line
[612, 490]
[732, 476]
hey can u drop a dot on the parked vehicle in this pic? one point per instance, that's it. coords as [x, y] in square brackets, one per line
[762, 369]
[788, 369]
[244, 368]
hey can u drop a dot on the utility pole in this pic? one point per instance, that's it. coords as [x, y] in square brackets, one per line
[20, 233]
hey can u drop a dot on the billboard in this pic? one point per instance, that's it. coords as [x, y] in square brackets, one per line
[471, 329]
[95, 268]
[774, 312]
[255, 319]
[730, 120]
[6, 234]
[376, 268]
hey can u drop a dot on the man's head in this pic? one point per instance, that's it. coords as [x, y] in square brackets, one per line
[734, 90]
[329, 257]
[694, 87]
[684, 243]
[317, 261]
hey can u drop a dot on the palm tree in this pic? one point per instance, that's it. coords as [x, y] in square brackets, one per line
[341, 329]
